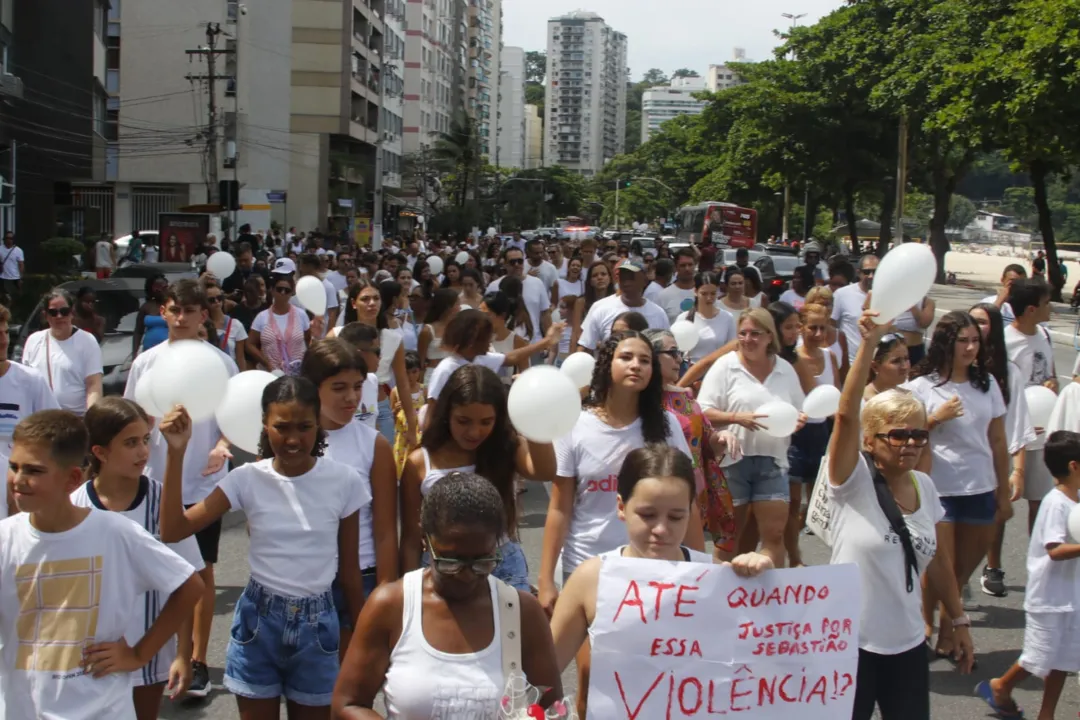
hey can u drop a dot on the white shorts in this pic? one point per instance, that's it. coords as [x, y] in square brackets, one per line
[1037, 478]
[1051, 642]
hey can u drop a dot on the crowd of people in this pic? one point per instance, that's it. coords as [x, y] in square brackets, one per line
[383, 508]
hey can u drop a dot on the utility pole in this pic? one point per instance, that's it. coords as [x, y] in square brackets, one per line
[901, 179]
[211, 78]
[787, 211]
[618, 182]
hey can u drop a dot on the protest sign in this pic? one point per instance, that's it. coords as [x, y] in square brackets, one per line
[818, 508]
[684, 640]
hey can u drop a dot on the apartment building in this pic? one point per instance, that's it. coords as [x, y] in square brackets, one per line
[482, 97]
[434, 69]
[11, 90]
[660, 104]
[534, 137]
[722, 77]
[585, 97]
[510, 128]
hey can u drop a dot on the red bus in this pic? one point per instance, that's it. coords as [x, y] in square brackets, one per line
[724, 223]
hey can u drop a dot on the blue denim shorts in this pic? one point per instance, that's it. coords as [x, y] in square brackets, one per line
[283, 646]
[757, 478]
[370, 579]
[513, 568]
[970, 509]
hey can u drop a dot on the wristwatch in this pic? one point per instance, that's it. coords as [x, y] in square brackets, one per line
[962, 621]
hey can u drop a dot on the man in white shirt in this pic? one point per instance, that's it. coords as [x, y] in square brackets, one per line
[310, 264]
[1012, 273]
[104, 257]
[597, 324]
[678, 297]
[514, 241]
[412, 254]
[848, 303]
[540, 268]
[23, 390]
[663, 270]
[12, 266]
[342, 265]
[533, 293]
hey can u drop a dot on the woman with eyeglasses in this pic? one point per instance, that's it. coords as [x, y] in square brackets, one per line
[707, 448]
[968, 458]
[68, 358]
[888, 521]
[440, 642]
[231, 335]
[282, 332]
[151, 328]
[598, 285]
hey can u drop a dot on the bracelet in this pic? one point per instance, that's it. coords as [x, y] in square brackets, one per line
[962, 621]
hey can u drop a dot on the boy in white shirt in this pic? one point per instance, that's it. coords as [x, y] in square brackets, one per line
[70, 578]
[1052, 621]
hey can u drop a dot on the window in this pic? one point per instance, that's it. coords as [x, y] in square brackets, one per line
[101, 19]
[114, 11]
[112, 161]
[99, 111]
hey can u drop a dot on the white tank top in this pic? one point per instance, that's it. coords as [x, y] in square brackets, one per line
[424, 683]
[505, 346]
[435, 351]
[389, 342]
[354, 445]
[434, 475]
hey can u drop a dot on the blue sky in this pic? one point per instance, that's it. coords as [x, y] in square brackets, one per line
[670, 34]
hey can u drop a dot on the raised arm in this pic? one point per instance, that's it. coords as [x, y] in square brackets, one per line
[176, 523]
[535, 461]
[697, 370]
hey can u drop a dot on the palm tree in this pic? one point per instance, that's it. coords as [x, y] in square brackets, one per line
[458, 152]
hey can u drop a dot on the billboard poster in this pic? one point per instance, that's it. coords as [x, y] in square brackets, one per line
[362, 231]
[179, 235]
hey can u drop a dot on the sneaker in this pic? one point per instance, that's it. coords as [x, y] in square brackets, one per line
[200, 680]
[993, 582]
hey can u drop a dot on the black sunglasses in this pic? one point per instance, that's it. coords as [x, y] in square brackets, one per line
[899, 437]
[672, 352]
[516, 261]
[59, 312]
[214, 299]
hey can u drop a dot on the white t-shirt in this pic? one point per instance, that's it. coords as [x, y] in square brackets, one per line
[676, 301]
[729, 387]
[103, 259]
[367, 411]
[962, 461]
[596, 326]
[713, 333]
[69, 363]
[281, 321]
[1052, 586]
[204, 435]
[793, 299]
[593, 453]
[337, 280]
[537, 300]
[450, 363]
[848, 304]
[354, 445]
[575, 288]
[546, 273]
[60, 592]
[1007, 313]
[1019, 431]
[652, 291]
[10, 257]
[293, 522]
[1033, 354]
[23, 391]
[232, 333]
[891, 620]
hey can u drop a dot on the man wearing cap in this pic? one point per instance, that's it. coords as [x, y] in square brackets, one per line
[632, 281]
[812, 260]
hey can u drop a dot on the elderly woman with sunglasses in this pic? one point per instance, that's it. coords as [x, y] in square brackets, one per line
[887, 520]
[68, 358]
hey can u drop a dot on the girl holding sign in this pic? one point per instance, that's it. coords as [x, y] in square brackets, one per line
[888, 520]
[656, 493]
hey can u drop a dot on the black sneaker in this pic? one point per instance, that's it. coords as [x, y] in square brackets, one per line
[200, 680]
[993, 582]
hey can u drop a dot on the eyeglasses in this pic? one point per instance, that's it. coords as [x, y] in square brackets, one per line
[868, 273]
[213, 299]
[748, 334]
[899, 437]
[283, 290]
[515, 261]
[453, 566]
[59, 312]
[675, 353]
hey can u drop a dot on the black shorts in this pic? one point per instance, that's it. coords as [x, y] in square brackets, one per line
[208, 538]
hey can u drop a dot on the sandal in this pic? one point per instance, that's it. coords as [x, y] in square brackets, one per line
[984, 691]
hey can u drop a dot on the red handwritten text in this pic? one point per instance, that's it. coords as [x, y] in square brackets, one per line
[632, 599]
[740, 597]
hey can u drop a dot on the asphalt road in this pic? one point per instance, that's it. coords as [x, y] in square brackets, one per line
[998, 624]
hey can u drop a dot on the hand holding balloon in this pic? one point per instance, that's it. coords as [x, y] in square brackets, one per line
[176, 428]
[902, 279]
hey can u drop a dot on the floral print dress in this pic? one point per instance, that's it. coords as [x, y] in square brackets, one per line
[713, 496]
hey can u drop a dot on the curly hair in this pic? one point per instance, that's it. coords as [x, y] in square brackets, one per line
[654, 426]
[285, 390]
[474, 384]
[939, 356]
[462, 500]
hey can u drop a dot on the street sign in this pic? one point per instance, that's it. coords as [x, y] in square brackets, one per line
[276, 196]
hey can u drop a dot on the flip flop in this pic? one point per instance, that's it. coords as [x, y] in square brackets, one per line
[984, 691]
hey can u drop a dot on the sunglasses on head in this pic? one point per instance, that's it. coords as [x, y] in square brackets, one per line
[59, 312]
[899, 437]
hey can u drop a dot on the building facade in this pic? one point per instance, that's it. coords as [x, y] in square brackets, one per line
[11, 91]
[510, 151]
[660, 104]
[721, 77]
[534, 138]
[433, 79]
[482, 95]
[585, 96]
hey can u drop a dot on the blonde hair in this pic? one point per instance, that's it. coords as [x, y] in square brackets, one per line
[891, 407]
[820, 296]
[764, 320]
[812, 308]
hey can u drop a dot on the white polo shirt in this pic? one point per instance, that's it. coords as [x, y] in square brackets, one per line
[597, 324]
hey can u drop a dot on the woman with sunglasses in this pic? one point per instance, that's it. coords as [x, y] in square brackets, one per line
[231, 335]
[439, 642]
[151, 328]
[598, 285]
[68, 358]
[282, 332]
[887, 520]
[969, 454]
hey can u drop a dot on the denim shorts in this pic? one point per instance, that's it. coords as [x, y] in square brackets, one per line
[757, 478]
[806, 451]
[283, 646]
[970, 509]
[370, 580]
[513, 568]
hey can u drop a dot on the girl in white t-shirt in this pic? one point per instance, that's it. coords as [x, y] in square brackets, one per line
[969, 454]
[470, 431]
[339, 372]
[68, 358]
[716, 327]
[656, 501]
[303, 514]
[886, 520]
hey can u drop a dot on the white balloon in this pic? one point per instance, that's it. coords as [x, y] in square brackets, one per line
[822, 402]
[239, 416]
[686, 335]
[221, 264]
[144, 395]
[1040, 401]
[543, 404]
[780, 418]
[491, 232]
[462, 257]
[277, 372]
[191, 373]
[902, 280]
[1073, 523]
[435, 264]
[579, 368]
[311, 294]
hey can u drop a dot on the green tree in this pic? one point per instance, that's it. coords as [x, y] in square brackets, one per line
[684, 73]
[962, 213]
[535, 66]
[654, 76]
